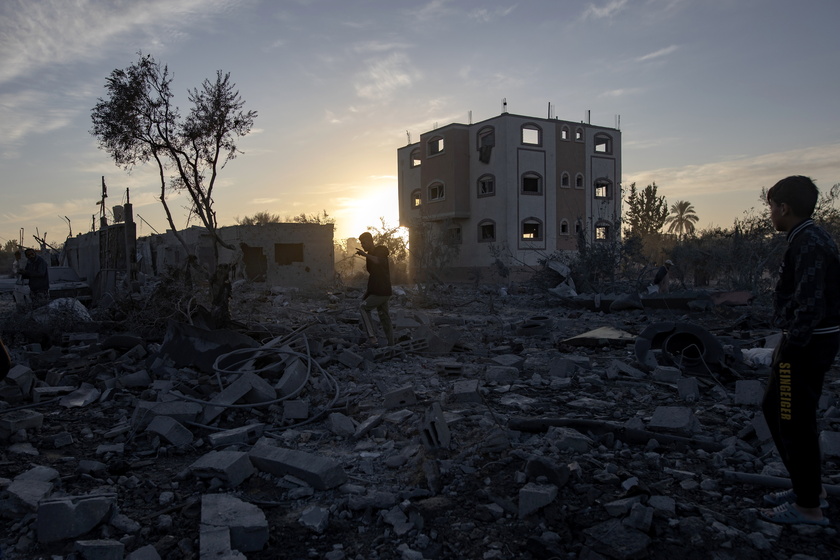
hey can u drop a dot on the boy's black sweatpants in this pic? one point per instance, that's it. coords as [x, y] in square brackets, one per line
[790, 407]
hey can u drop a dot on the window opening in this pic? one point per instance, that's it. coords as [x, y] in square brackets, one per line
[486, 185]
[564, 133]
[602, 188]
[288, 253]
[531, 135]
[436, 192]
[487, 231]
[579, 181]
[602, 232]
[564, 180]
[603, 144]
[564, 227]
[415, 199]
[579, 134]
[531, 183]
[415, 158]
[435, 145]
[486, 141]
[531, 230]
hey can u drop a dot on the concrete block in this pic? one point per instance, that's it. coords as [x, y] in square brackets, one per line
[246, 523]
[147, 552]
[688, 389]
[42, 394]
[293, 379]
[11, 422]
[295, 410]
[242, 435]
[100, 549]
[466, 391]
[11, 394]
[70, 517]
[83, 396]
[42, 473]
[315, 518]
[674, 418]
[232, 467]
[350, 359]
[554, 472]
[620, 507]
[830, 444]
[663, 504]
[434, 431]
[404, 396]
[341, 424]
[23, 377]
[667, 374]
[641, 518]
[249, 387]
[569, 439]
[509, 360]
[214, 542]
[533, 497]
[136, 379]
[502, 375]
[617, 367]
[110, 448]
[366, 426]
[171, 430]
[762, 430]
[319, 472]
[25, 495]
[449, 368]
[182, 411]
[615, 540]
[749, 392]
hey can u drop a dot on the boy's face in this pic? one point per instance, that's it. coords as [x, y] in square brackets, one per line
[779, 215]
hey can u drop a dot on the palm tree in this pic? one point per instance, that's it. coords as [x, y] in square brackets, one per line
[682, 218]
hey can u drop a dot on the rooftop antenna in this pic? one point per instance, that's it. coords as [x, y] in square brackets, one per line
[470, 117]
[504, 104]
[588, 116]
[69, 226]
[550, 111]
[408, 136]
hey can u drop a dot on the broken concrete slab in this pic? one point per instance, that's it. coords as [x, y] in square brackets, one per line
[246, 523]
[189, 346]
[171, 430]
[749, 392]
[678, 419]
[602, 336]
[72, 516]
[181, 411]
[242, 435]
[85, 395]
[232, 467]
[434, 431]
[322, 473]
[100, 549]
[533, 497]
[404, 396]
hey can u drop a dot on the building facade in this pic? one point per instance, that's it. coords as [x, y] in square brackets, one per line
[511, 188]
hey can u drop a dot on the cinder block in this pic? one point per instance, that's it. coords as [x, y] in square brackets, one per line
[233, 467]
[293, 379]
[41, 394]
[214, 542]
[170, 429]
[246, 523]
[749, 392]
[242, 435]
[25, 495]
[248, 386]
[466, 391]
[261, 390]
[830, 444]
[641, 518]
[100, 550]
[365, 427]
[83, 396]
[435, 431]
[182, 411]
[70, 517]
[319, 472]
[533, 497]
[617, 367]
[147, 552]
[341, 424]
[23, 419]
[674, 418]
[136, 379]
[404, 396]
[350, 359]
[562, 367]
[23, 377]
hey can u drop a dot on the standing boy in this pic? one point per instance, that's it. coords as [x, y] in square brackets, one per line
[806, 306]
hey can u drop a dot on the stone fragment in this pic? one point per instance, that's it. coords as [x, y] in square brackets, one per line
[830, 443]
[23, 377]
[341, 424]
[663, 504]
[249, 387]
[466, 391]
[70, 517]
[233, 467]
[688, 389]
[319, 472]
[502, 375]
[674, 418]
[246, 523]
[569, 439]
[620, 507]
[509, 360]
[43, 394]
[137, 379]
[83, 396]
[617, 367]
[295, 409]
[242, 435]
[315, 518]
[449, 368]
[101, 549]
[147, 552]
[667, 374]
[434, 431]
[556, 473]
[24, 419]
[182, 411]
[616, 541]
[350, 359]
[214, 542]
[533, 497]
[25, 495]
[293, 379]
[641, 517]
[171, 430]
[367, 425]
[404, 396]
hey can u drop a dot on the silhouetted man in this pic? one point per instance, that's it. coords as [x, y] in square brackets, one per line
[38, 274]
[378, 291]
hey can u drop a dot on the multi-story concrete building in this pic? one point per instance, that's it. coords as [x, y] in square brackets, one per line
[512, 187]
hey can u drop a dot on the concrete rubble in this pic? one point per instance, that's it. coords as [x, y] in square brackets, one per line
[521, 428]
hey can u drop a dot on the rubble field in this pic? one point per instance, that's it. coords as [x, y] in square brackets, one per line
[511, 424]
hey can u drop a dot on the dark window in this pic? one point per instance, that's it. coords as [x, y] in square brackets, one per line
[531, 183]
[564, 180]
[453, 236]
[564, 227]
[603, 144]
[532, 230]
[288, 253]
[435, 145]
[579, 181]
[486, 231]
[415, 158]
[486, 141]
[486, 185]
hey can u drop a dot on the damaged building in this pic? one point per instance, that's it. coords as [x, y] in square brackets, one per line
[284, 254]
[512, 188]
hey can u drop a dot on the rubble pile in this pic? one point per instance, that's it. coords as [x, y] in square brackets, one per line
[497, 427]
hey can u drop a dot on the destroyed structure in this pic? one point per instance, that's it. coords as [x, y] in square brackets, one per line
[512, 187]
[525, 426]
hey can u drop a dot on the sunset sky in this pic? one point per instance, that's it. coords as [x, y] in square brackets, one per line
[717, 98]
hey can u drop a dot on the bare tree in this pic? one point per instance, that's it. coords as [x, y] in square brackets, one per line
[137, 123]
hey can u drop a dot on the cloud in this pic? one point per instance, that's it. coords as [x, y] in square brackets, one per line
[484, 15]
[608, 10]
[748, 174]
[384, 76]
[621, 92]
[432, 10]
[379, 46]
[658, 54]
